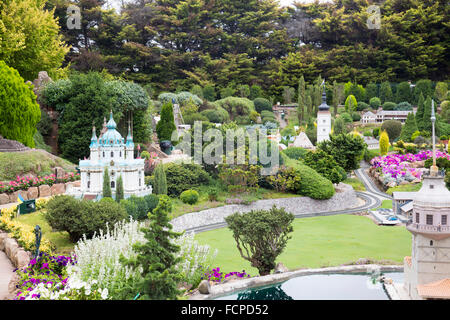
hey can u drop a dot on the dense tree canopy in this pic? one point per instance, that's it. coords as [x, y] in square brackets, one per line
[19, 112]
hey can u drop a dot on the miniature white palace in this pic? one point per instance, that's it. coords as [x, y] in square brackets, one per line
[111, 151]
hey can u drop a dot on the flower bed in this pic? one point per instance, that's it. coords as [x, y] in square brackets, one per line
[396, 168]
[23, 183]
[215, 275]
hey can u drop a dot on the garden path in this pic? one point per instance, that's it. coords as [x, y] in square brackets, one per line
[6, 273]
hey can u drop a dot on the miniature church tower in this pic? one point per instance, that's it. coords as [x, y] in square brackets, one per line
[323, 119]
[427, 271]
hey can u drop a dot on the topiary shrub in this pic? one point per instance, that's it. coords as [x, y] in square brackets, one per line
[362, 106]
[375, 102]
[313, 185]
[181, 177]
[82, 217]
[189, 196]
[393, 129]
[262, 104]
[389, 105]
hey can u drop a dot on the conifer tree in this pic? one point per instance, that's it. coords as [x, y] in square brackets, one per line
[419, 112]
[409, 127]
[106, 184]
[119, 189]
[386, 92]
[384, 143]
[157, 257]
[426, 122]
[301, 100]
[160, 186]
[166, 125]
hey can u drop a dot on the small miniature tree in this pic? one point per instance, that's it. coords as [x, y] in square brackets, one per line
[393, 128]
[384, 143]
[166, 125]
[157, 256]
[160, 186]
[409, 128]
[375, 102]
[350, 103]
[261, 235]
[106, 184]
[119, 189]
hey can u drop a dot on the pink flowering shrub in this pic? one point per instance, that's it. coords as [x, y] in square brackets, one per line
[23, 183]
[399, 165]
[217, 276]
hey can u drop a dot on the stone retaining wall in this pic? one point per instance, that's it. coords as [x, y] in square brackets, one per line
[18, 256]
[37, 192]
[344, 198]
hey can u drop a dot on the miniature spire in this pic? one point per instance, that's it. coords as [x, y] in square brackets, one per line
[433, 168]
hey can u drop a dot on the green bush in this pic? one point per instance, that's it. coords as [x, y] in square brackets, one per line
[403, 106]
[313, 185]
[19, 111]
[218, 115]
[181, 177]
[393, 129]
[189, 196]
[375, 132]
[262, 104]
[295, 152]
[389, 105]
[356, 116]
[139, 207]
[375, 102]
[237, 107]
[82, 217]
[369, 155]
[362, 106]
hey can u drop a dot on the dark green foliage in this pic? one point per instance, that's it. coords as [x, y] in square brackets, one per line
[339, 126]
[44, 126]
[209, 93]
[238, 108]
[375, 102]
[255, 92]
[139, 207]
[261, 236]
[393, 129]
[371, 91]
[189, 196]
[311, 131]
[346, 117]
[356, 116]
[403, 92]
[262, 104]
[369, 155]
[375, 132]
[441, 163]
[106, 184]
[314, 185]
[19, 111]
[295, 152]
[404, 106]
[166, 126]
[346, 149]
[78, 217]
[181, 177]
[218, 115]
[160, 181]
[325, 164]
[389, 105]
[423, 87]
[157, 256]
[362, 106]
[386, 92]
[119, 189]
[420, 111]
[408, 128]
[426, 122]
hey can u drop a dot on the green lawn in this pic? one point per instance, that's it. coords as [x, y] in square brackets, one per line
[320, 241]
[405, 188]
[355, 183]
[60, 239]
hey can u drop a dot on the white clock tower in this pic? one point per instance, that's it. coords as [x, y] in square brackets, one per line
[323, 119]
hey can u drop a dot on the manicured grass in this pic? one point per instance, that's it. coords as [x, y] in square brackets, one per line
[60, 239]
[405, 188]
[36, 162]
[355, 183]
[320, 241]
[387, 204]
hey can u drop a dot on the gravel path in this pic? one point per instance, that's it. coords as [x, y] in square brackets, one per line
[6, 273]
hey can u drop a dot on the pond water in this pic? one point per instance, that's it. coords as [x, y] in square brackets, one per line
[321, 287]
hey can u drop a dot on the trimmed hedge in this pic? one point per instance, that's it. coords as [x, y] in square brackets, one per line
[314, 185]
[181, 177]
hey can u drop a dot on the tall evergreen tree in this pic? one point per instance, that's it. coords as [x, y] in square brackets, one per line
[106, 184]
[403, 92]
[157, 256]
[166, 125]
[160, 186]
[301, 99]
[119, 189]
[384, 143]
[427, 126]
[419, 112]
[386, 92]
[409, 127]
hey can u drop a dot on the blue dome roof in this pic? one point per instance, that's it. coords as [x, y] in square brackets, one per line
[111, 137]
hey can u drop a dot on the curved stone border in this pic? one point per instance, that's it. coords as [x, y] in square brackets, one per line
[344, 198]
[18, 256]
[220, 290]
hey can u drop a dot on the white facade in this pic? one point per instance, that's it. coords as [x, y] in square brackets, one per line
[323, 125]
[111, 151]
